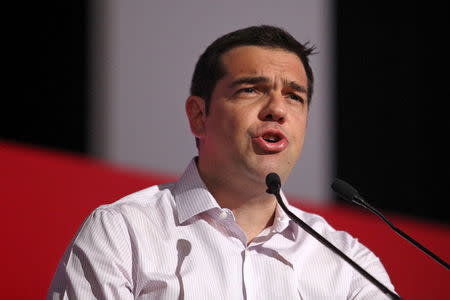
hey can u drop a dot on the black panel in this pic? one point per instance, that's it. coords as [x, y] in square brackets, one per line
[46, 101]
[390, 91]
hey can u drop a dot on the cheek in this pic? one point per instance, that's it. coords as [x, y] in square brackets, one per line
[235, 129]
[225, 126]
[300, 131]
[236, 122]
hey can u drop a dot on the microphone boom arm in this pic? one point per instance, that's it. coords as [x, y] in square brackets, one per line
[359, 200]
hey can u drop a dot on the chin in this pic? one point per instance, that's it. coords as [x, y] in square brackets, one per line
[259, 166]
[262, 170]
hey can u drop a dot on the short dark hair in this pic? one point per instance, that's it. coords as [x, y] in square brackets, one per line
[209, 68]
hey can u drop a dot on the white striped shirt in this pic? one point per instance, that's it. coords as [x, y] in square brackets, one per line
[173, 241]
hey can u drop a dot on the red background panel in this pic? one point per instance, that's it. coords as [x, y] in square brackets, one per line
[48, 194]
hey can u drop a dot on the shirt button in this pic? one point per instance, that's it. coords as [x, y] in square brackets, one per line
[223, 215]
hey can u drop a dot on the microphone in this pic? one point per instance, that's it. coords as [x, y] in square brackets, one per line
[273, 183]
[349, 193]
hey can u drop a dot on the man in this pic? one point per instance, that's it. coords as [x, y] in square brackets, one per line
[217, 233]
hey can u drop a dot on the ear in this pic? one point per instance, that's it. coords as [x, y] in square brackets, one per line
[196, 113]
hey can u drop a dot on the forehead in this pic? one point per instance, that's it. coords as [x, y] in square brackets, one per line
[257, 60]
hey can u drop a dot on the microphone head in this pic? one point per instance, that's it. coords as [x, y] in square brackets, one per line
[273, 183]
[344, 190]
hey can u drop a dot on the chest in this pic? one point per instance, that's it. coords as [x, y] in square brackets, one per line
[205, 262]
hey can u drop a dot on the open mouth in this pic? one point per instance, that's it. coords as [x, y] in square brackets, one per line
[271, 141]
[271, 138]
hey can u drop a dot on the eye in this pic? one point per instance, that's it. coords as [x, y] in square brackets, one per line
[247, 90]
[296, 97]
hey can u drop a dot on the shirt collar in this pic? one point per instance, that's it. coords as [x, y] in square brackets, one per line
[282, 221]
[192, 198]
[191, 194]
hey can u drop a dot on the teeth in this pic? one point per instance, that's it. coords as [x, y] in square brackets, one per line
[271, 139]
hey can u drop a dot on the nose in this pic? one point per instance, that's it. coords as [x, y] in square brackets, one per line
[274, 109]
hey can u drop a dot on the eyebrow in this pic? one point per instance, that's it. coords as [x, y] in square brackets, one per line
[262, 79]
[295, 86]
[248, 80]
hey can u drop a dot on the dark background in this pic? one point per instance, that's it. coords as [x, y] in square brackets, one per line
[391, 91]
[388, 87]
[48, 74]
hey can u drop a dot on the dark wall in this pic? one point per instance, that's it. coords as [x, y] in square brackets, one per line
[389, 96]
[46, 102]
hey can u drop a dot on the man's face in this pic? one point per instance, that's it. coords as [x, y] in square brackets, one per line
[258, 114]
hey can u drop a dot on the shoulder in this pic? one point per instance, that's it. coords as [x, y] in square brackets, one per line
[343, 240]
[351, 247]
[149, 206]
[146, 199]
[340, 238]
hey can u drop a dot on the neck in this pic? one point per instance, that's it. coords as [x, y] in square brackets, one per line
[252, 206]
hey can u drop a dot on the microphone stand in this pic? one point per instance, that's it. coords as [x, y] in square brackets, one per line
[275, 190]
[360, 201]
[349, 193]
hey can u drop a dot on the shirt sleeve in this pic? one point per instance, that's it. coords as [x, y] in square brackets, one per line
[98, 263]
